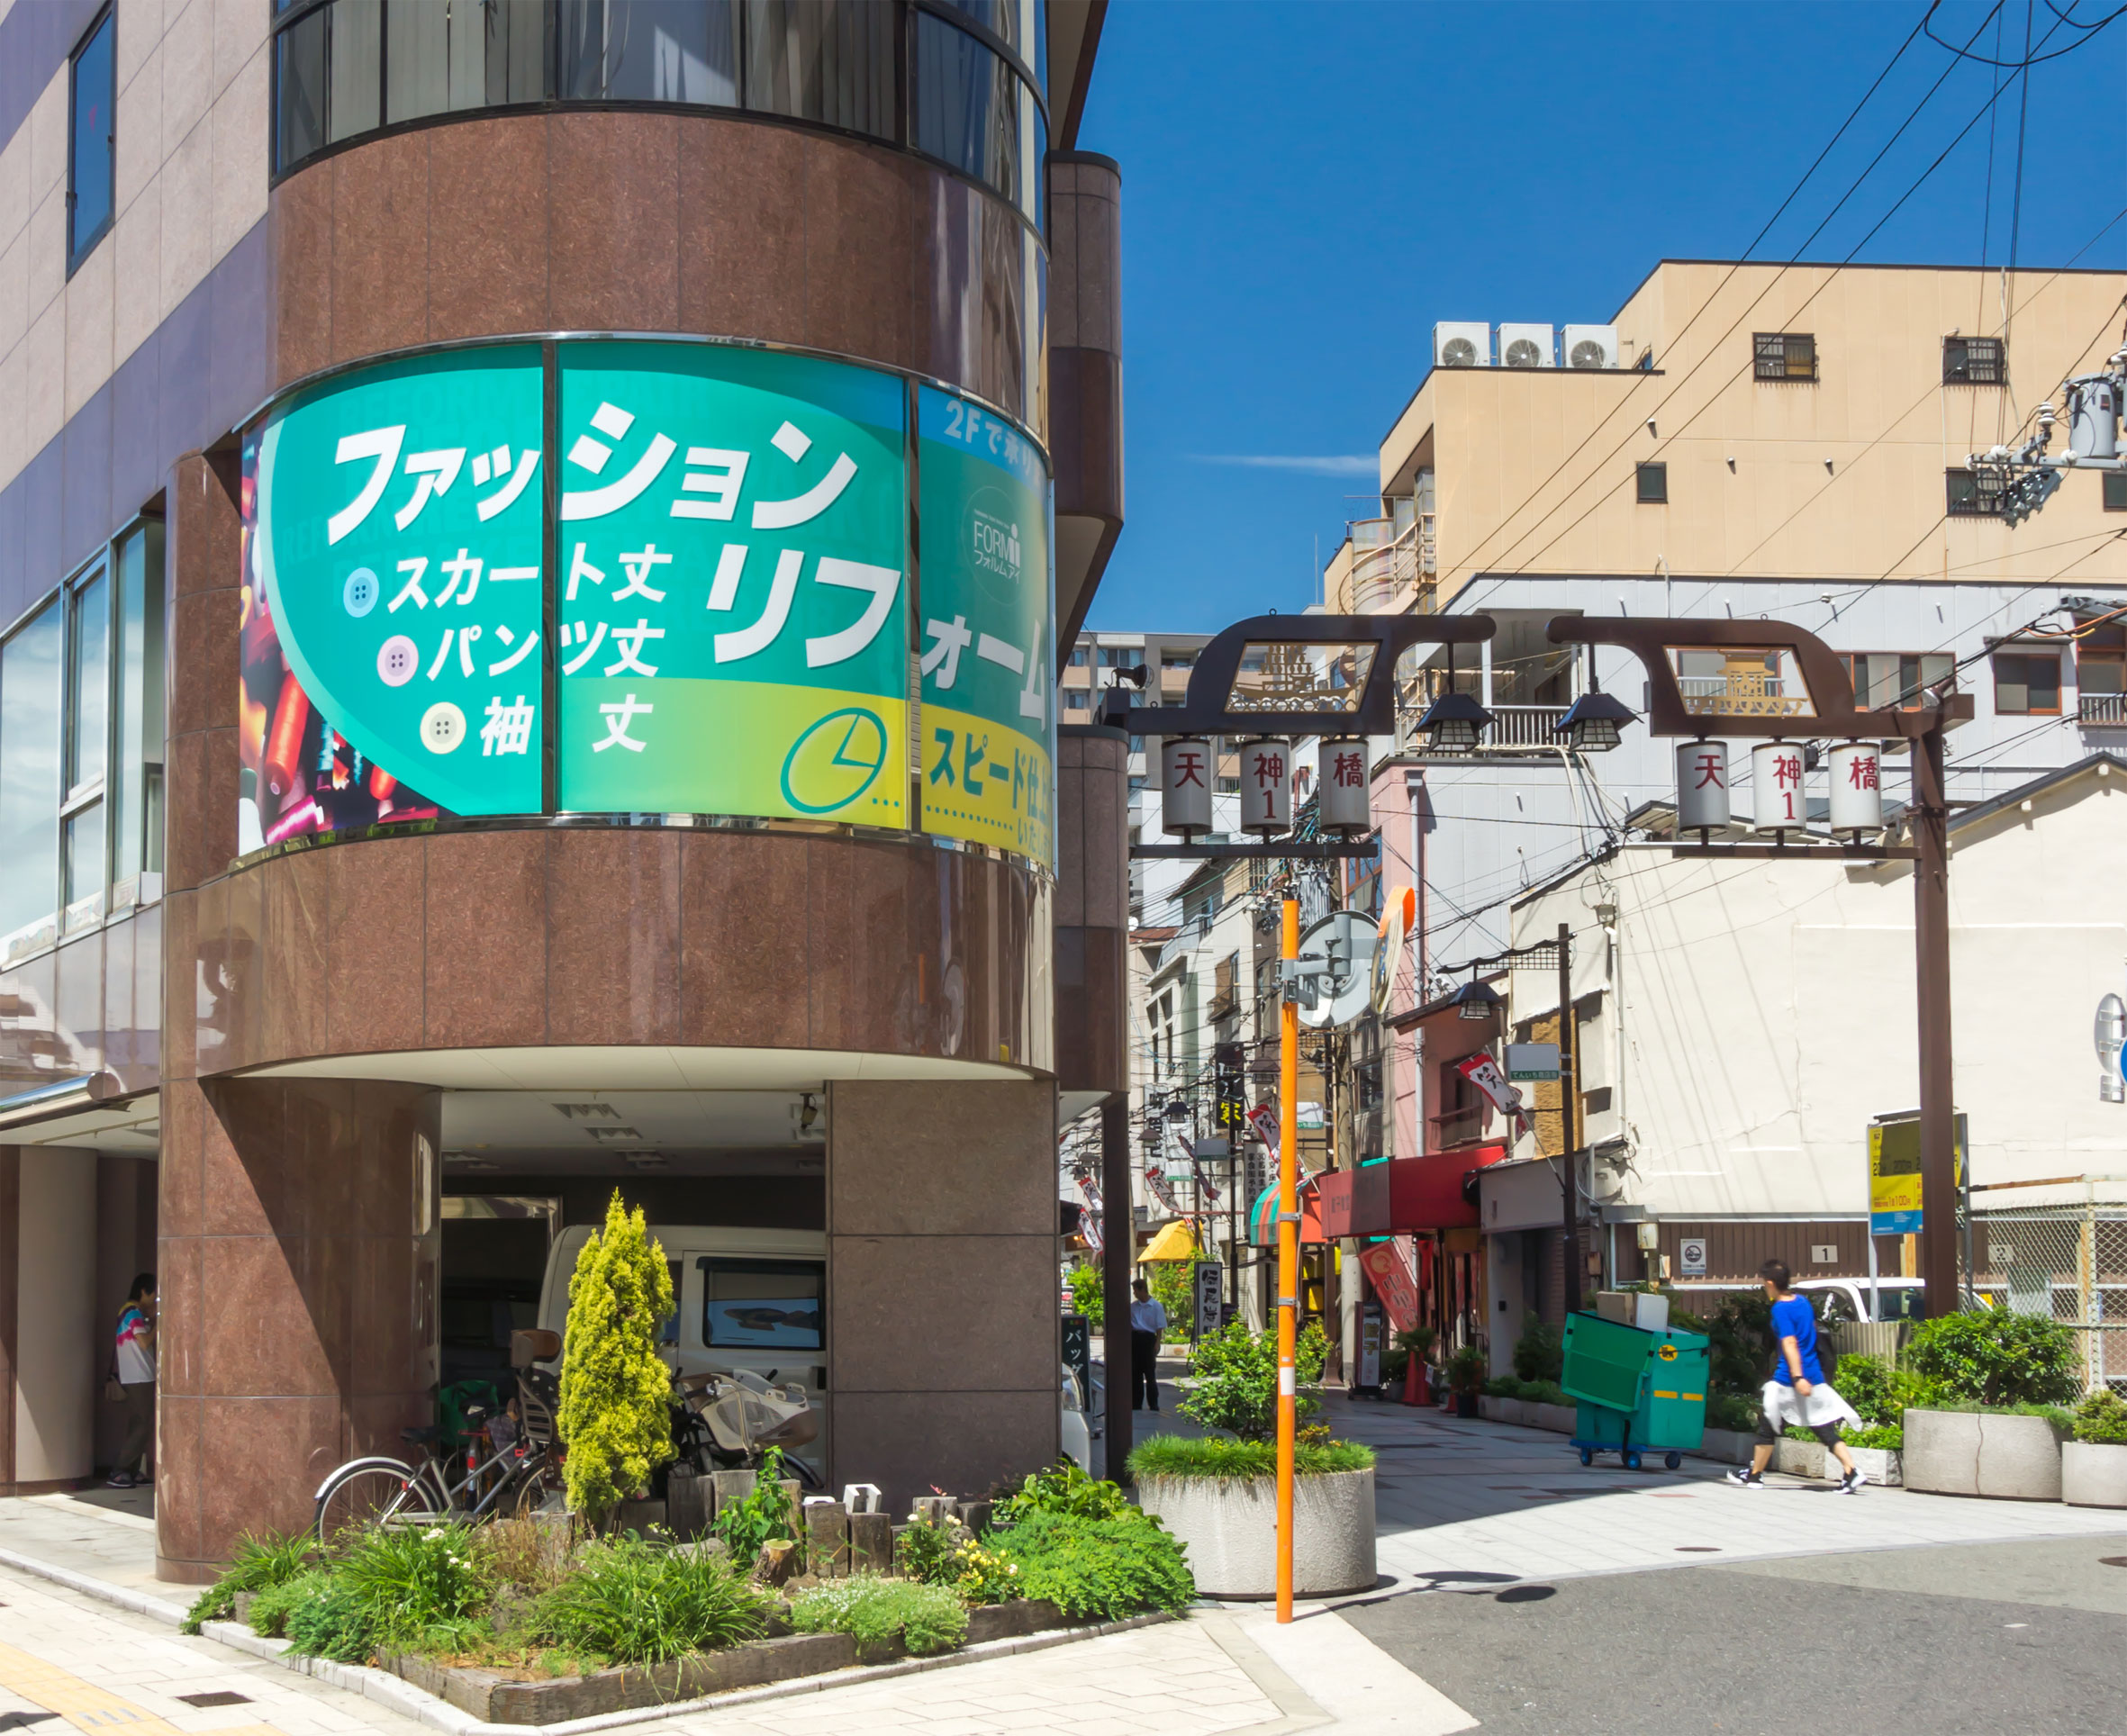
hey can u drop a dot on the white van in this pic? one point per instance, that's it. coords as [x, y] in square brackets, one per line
[747, 1300]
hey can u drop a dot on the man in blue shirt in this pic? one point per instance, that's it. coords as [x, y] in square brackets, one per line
[1798, 1391]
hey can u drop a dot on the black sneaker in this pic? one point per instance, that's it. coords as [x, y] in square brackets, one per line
[1745, 1479]
[1850, 1484]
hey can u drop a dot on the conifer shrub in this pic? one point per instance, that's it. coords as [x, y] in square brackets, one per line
[615, 1416]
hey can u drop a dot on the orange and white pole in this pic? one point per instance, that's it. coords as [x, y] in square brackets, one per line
[1288, 1251]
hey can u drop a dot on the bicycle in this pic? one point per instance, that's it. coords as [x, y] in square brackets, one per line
[491, 1476]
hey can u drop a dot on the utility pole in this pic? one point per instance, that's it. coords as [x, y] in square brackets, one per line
[1568, 1095]
[1288, 1246]
[1931, 941]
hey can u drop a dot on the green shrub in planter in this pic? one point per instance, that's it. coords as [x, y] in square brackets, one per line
[1465, 1370]
[1732, 1411]
[1089, 1293]
[1062, 1488]
[1540, 1353]
[1886, 1437]
[2101, 1419]
[335, 1622]
[638, 1603]
[875, 1612]
[260, 1562]
[1237, 1380]
[1098, 1570]
[616, 1413]
[763, 1514]
[1739, 1333]
[1175, 1455]
[1995, 1358]
[271, 1608]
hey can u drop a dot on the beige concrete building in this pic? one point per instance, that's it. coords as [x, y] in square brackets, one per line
[1702, 453]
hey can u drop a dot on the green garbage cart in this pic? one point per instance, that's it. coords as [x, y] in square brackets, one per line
[1636, 1391]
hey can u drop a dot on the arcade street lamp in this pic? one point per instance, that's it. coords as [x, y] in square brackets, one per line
[1476, 999]
[1594, 723]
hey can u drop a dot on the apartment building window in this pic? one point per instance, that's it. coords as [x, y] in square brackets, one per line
[81, 750]
[91, 142]
[1653, 484]
[2115, 491]
[1120, 656]
[1972, 494]
[2027, 683]
[1886, 681]
[1178, 660]
[2100, 661]
[1975, 361]
[1077, 699]
[1366, 1086]
[1226, 786]
[1784, 354]
[1077, 656]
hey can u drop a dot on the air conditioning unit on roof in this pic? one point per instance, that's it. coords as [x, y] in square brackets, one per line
[1462, 343]
[1591, 346]
[1526, 345]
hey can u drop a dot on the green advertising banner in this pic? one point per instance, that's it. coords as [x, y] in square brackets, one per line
[398, 537]
[989, 630]
[726, 625]
[732, 631]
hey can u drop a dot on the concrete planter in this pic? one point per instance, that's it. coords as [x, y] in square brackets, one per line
[1807, 1458]
[1500, 1410]
[1229, 1526]
[1975, 1453]
[1559, 1419]
[1727, 1446]
[2092, 1474]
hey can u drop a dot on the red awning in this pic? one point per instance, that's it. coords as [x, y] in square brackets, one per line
[1412, 1193]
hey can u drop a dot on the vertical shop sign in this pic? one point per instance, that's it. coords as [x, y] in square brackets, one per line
[394, 605]
[988, 630]
[729, 584]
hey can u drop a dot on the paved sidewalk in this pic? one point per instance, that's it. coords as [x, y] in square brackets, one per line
[1459, 1501]
[1216, 1671]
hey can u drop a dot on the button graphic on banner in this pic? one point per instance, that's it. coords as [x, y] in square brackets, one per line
[396, 660]
[442, 727]
[359, 592]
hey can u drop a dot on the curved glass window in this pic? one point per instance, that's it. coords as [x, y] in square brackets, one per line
[345, 68]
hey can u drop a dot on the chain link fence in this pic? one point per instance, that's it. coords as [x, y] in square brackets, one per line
[2066, 1260]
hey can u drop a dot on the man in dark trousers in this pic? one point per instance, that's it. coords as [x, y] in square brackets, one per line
[1148, 1322]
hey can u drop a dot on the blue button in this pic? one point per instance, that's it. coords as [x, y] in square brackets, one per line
[359, 593]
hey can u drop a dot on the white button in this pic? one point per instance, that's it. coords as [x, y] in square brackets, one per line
[442, 727]
[396, 661]
[359, 592]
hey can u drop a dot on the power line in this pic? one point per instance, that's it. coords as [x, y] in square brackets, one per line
[1794, 193]
[1771, 284]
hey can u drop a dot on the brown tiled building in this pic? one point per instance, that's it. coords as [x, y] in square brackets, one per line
[340, 1061]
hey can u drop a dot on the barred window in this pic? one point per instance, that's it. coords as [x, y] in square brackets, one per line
[1972, 494]
[1975, 361]
[1785, 355]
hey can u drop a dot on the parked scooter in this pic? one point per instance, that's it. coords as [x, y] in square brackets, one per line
[729, 1418]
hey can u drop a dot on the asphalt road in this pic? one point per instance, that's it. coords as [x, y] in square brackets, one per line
[1989, 1639]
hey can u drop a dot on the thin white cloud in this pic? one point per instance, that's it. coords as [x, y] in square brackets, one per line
[1329, 465]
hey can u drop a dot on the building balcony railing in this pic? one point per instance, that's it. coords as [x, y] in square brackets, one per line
[1459, 1127]
[1517, 731]
[1393, 573]
[2102, 711]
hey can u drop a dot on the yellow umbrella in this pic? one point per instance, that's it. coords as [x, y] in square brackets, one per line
[1173, 1241]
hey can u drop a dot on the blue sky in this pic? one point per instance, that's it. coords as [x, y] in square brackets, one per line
[1307, 187]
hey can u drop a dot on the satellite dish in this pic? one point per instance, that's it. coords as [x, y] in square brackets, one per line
[1588, 353]
[1339, 999]
[1458, 352]
[1522, 353]
[1396, 924]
